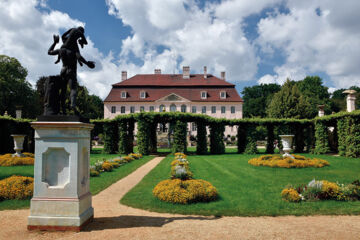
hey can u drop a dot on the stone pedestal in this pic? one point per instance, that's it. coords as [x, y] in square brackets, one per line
[350, 100]
[61, 200]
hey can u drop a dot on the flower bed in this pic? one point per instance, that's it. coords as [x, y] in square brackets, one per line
[288, 162]
[109, 165]
[7, 160]
[322, 190]
[16, 187]
[181, 188]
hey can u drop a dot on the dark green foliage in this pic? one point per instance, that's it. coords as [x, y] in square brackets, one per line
[321, 138]
[270, 139]
[299, 139]
[256, 98]
[131, 126]
[201, 139]
[111, 137]
[309, 138]
[123, 137]
[143, 133]
[316, 94]
[250, 140]
[179, 142]
[153, 138]
[343, 132]
[289, 103]
[217, 145]
[353, 138]
[15, 90]
[241, 138]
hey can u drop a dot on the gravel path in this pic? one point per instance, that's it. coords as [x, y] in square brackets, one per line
[115, 221]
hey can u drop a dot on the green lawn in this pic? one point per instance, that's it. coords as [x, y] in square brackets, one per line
[97, 184]
[246, 190]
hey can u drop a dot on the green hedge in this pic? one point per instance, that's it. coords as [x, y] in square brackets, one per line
[111, 137]
[179, 143]
[201, 138]
[217, 145]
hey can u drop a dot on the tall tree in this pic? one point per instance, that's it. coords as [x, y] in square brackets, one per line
[289, 103]
[15, 90]
[312, 88]
[257, 97]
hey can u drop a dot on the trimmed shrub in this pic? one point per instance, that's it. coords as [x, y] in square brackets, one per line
[270, 139]
[321, 138]
[8, 160]
[143, 134]
[16, 187]
[250, 140]
[217, 145]
[111, 137]
[123, 137]
[343, 132]
[353, 138]
[241, 138]
[179, 142]
[185, 192]
[201, 139]
[288, 162]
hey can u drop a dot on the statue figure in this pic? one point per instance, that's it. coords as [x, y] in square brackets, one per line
[55, 86]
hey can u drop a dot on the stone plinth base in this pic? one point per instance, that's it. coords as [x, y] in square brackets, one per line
[61, 200]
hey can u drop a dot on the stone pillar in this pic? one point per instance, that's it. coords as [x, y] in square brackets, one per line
[18, 112]
[350, 100]
[321, 110]
[62, 199]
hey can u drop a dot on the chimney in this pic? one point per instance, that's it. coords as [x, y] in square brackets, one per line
[350, 100]
[205, 72]
[321, 110]
[123, 75]
[223, 75]
[186, 72]
[157, 71]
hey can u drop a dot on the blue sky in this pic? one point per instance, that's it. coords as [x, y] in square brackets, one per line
[264, 41]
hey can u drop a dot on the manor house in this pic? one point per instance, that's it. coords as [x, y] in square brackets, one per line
[195, 93]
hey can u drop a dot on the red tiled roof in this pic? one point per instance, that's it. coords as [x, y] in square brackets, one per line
[172, 80]
[192, 94]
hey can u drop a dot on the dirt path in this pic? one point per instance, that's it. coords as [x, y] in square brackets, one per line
[115, 221]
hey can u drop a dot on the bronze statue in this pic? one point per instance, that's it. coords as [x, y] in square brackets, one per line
[55, 86]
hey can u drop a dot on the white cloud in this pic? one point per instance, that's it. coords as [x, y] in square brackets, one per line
[315, 36]
[195, 37]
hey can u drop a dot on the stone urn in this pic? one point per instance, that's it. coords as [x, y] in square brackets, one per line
[18, 144]
[286, 141]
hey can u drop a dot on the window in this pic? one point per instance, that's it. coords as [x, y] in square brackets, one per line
[132, 109]
[183, 108]
[151, 109]
[193, 127]
[113, 109]
[193, 109]
[203, 95]
[123, 94]
[162, 108]
[122, 109]
[232, 109]
[223, 109]
[142, 109]
[172, 108]
[142, 94]
[213, 109]
[203, 109]
[222, 94]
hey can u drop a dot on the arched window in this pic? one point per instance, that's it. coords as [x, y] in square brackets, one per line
[162, 108]
[172, 108]
[183, 108]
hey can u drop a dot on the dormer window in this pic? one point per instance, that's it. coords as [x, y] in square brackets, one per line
[203, 94]
[123, 94]
[142, 94]
[223, 95]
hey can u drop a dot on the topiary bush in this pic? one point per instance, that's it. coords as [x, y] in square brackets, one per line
[8, 160]
[185, 192]
[217, 145]
[16, 187]
[179, 142]
[321, 138]
[201, 139]
[288, 162]
[111, 137]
